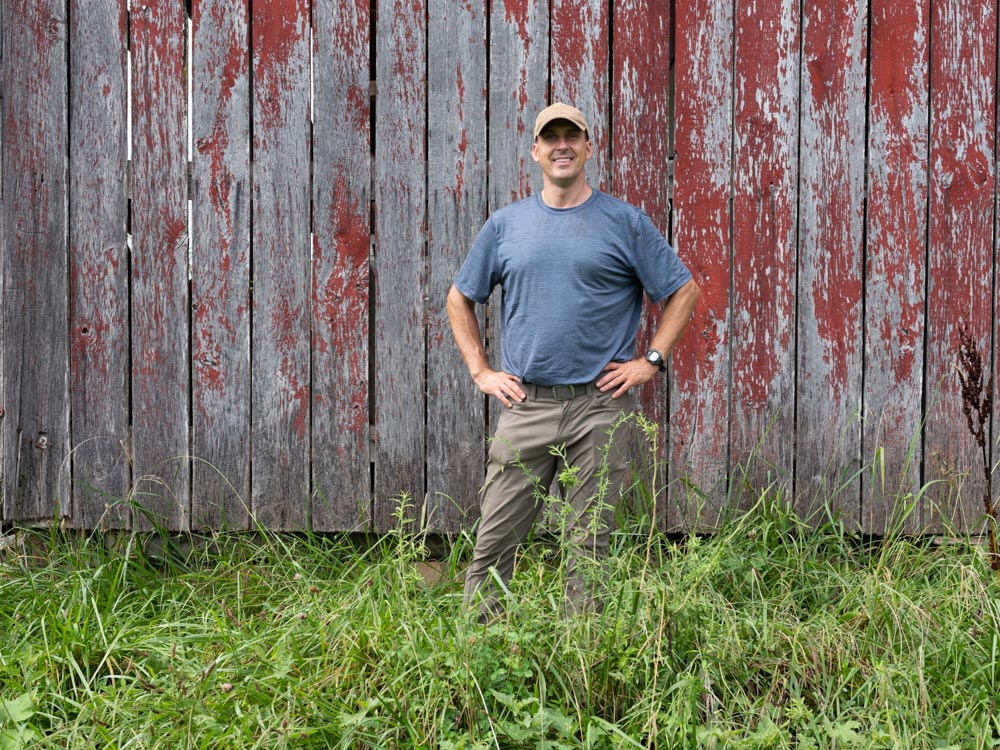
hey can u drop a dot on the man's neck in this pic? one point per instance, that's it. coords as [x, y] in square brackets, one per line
[555, 196]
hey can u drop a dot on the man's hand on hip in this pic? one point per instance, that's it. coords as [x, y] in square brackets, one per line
[621, 376]
[503, 385]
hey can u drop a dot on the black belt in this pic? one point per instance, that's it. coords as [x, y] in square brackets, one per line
[561, 392]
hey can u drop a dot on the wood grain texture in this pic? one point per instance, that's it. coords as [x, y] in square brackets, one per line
[765, 200]
[641, 152]
[160, 360]
[35, 398]
[896, 251]
[220, 276]
[579, 72]
[640, 174]
[960, 255]
[341, 245]
[4, 44]
[98, 273]
[831, 236]
[281, 264]
[699, 413]
[456, 186]
[400, 197]
[518, 91]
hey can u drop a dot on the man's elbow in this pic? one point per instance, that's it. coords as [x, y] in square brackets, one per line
[457, 301]
[688, 295]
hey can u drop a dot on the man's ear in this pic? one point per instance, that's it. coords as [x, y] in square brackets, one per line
[534, 151]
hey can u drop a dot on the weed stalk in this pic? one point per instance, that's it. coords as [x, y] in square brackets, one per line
[977, 405]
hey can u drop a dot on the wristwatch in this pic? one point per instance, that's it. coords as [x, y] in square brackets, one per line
[656, 359]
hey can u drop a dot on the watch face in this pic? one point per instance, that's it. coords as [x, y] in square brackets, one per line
[654, 358]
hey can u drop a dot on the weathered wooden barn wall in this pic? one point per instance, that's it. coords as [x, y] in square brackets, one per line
[228, 227]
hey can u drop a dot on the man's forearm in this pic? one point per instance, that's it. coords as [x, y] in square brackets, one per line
[674, 318]
[469, 339]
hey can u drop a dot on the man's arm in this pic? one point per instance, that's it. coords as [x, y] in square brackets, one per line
[465, 328]
[674, 318]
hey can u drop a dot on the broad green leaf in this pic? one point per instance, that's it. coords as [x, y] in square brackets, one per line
[18, 710]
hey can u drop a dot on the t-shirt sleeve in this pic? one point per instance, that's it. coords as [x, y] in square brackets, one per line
[657, 265]
[480, 272]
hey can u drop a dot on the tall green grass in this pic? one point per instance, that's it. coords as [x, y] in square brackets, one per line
[763, 635]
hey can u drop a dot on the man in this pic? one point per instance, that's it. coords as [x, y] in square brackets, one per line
[573, 264]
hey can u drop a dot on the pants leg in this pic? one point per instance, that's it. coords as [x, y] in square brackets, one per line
[520, 471]
[601, 454]
[518, 475]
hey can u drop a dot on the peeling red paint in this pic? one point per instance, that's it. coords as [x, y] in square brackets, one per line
[765, 120]
[642, 88]
[580, 68]
[518, 13]
[281, 60]
[279, 26]
[963, 147]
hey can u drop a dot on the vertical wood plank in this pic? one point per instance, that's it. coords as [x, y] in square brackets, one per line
[220, 278]
[641, 148]
[35, 399]
[4, 44]
[341, 246]
[99, 364]
[400, 197]
[699, 417]
[456, 161]
[519, 63]
[960, 255]
[579, 72]
[281, 264]
[765, 199]
[160, 265]
[831, 232]
[896, 252]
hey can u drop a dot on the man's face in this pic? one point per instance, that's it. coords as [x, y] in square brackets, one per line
[562, 150]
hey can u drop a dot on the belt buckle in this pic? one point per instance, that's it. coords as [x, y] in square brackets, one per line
[570, 388]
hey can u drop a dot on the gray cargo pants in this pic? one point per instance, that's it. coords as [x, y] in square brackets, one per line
[521, 469]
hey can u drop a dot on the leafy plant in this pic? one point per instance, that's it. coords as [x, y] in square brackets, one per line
[15, 728]
[767, 633]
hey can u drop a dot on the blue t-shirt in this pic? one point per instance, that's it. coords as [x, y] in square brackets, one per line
[572, 283]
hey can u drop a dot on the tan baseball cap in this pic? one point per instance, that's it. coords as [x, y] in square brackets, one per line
[560, 111]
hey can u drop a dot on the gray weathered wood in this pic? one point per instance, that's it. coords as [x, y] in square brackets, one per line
[98, 334]
[220, 275]
[35, 398]
[456, 160]
[579, 72]
[959, 274]
[341, 245]
[400, 194]
[281, 264]
[641, 148]
[765, 202]
[66, 276]
[518, 86]
[831, 234]
[160, 363]
[3, 256]
[896, 258]
[699, 399]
